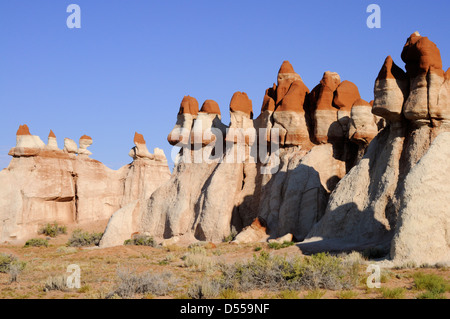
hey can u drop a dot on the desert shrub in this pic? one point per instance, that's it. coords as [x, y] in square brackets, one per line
[11, 265]
[231, 236]
[66, 250]
[315, 294]
[53, 230]
[58, 282]
[431, 295]
[393, 293]
[229, 293]
[198, 259]
[434, 284]
[205, 289]
[130, 283]
[288, 294]
[36, 242]
[278, 273]
[347, 294]
[167, 260]
[275, 245]
[141, 240]
[83, 238]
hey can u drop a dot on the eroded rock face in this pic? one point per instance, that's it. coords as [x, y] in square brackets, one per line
[380, 203]
[391, 90]
[185, 118]
[44, 184]
[382, 153]
[282, 181]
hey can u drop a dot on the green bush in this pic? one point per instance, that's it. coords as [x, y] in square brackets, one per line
[53, 230]
[434, 284]
[130, 283]
[278, 273]
[82, 238]
[141, 240]
[36, 242]
[58, 282]
[394, 293]
[8, 262]
[275, 245]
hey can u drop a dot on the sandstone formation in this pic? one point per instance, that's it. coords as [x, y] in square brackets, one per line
[248, 175]
[393, 200]
[321, 167]
[44, 184]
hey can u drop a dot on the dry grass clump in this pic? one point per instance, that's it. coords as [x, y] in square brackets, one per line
[53, 230]
[82, 238]
[129, 283]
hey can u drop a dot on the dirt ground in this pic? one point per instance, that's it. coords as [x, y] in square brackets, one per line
[99, 271]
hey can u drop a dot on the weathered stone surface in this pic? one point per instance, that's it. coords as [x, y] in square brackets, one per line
[289, 117]
[52, 143]
[380, 203]
[286, 75]
[51, 185]
[185, 118]
[326, 125]
[140, 150]
[424, 68]
[346, 94]
[423, 229]
[363, 124]
[84, 142]
[391, 90]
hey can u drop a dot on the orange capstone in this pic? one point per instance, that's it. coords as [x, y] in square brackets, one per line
[361, 102]
[23, 130]
[268, 102]
[286, 67]
[294, 98]
[390, 70]
[189, 105]
[421, 55]
[241, 102]
[51, 134]
[138, 138]
[85, 137]
[210, 106]
[346, 94]
[324, 92]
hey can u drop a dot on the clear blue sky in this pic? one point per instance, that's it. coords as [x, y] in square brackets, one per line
[131, 62]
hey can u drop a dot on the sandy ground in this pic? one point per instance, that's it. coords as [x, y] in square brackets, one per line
[99, 271]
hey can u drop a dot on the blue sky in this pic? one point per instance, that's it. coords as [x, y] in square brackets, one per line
[131, 62]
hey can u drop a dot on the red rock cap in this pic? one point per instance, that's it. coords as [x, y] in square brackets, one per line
[241, 102]
[23, 130]
[361, 102]
[138, 138]
[390, 70]
[51, 134]
[286, 67]
[85, 137]
[346, 93]
[189, 105]
[294, 98]
[324, 92]
[421, 55]
[210, 106]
